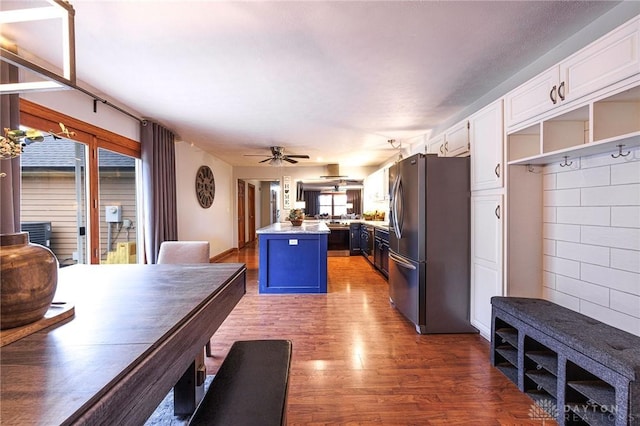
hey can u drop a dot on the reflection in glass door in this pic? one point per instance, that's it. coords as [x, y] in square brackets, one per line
[118, 207]
[53, 198]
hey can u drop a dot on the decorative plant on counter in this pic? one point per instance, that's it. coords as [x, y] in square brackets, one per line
[296, 216]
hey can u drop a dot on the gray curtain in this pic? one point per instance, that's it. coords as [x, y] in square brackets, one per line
[10, 184]
[312, 207]
[355, 196]
[159, 187]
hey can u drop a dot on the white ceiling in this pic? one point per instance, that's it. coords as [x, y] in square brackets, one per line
[334, 80]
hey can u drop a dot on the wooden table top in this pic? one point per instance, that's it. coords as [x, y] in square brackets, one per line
[136, 330]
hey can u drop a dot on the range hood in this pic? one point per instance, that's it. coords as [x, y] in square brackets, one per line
[333, 172]
[333, 181]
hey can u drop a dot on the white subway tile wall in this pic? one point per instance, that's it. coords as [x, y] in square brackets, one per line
[591, 238]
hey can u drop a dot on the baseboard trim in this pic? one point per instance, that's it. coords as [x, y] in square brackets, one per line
[219, 257]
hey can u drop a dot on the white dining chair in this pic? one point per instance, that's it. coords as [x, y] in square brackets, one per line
[185, 252]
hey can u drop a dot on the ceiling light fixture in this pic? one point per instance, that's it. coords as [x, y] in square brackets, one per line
[59, 9]
[275, 162]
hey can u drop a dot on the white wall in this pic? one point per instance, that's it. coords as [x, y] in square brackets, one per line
[592, 238]
[80, 106]
[217, 223]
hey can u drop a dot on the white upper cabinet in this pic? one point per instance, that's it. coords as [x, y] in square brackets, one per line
[612, 58]
[376, 185]
[452, 143]
[486, 137]
[604, 62]
[436, 145]
[536, 96]
[456, 140]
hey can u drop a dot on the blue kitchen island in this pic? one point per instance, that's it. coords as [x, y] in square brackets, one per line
[293, 259]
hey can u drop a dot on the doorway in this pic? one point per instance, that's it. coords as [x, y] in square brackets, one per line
[241, 214]
[251, 212]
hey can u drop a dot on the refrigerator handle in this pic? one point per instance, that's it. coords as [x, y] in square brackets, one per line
[394, 216]
[401, 262]
[400, 207]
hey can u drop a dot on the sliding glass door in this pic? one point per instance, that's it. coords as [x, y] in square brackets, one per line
[54, 198]
[118, 209]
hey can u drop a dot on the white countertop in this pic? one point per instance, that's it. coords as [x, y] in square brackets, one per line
[288, 228]
[377, 223]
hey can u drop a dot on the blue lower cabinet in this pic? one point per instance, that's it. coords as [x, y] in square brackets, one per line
[293, 263]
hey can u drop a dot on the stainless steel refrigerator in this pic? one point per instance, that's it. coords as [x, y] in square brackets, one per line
[429, 280]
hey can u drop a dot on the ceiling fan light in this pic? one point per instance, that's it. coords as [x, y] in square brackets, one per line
[275, 162]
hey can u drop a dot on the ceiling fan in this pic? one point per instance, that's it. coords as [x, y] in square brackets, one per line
[278, 156]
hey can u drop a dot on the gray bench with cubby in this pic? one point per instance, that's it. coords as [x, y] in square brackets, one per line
[578, 369]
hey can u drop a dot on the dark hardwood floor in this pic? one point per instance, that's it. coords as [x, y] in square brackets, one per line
[356, 360]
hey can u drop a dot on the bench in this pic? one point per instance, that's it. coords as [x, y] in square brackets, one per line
[250, 387]
[579, 368]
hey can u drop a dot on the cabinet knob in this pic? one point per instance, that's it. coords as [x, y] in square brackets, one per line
[497, 211]
[553, 95]
[446, 146]
[497, 170]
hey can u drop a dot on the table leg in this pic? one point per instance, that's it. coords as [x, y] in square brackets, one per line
[189, 390]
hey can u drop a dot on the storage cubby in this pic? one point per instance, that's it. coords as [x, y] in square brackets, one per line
[524, 143]
[590, 399]
[541, 371]
[595, 127]
[505, 355]
[617, 116]
[566, 131]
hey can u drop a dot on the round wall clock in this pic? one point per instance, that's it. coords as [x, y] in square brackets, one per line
[205, 186]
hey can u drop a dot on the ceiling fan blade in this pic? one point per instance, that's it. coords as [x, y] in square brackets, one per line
[289, 160]
[298, 156]
[265, 160]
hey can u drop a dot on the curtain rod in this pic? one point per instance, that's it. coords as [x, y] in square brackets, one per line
[14, 59]
[97, 99]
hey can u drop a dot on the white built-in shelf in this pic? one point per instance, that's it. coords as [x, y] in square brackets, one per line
[607, 145]
[595, 128]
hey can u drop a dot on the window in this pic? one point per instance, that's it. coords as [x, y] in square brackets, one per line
[70, 183]
[333, 204]
[54, 192]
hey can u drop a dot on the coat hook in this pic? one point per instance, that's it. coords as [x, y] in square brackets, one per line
[565, 164]
[620, 154]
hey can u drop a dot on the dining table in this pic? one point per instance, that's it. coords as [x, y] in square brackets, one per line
[135, 333]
